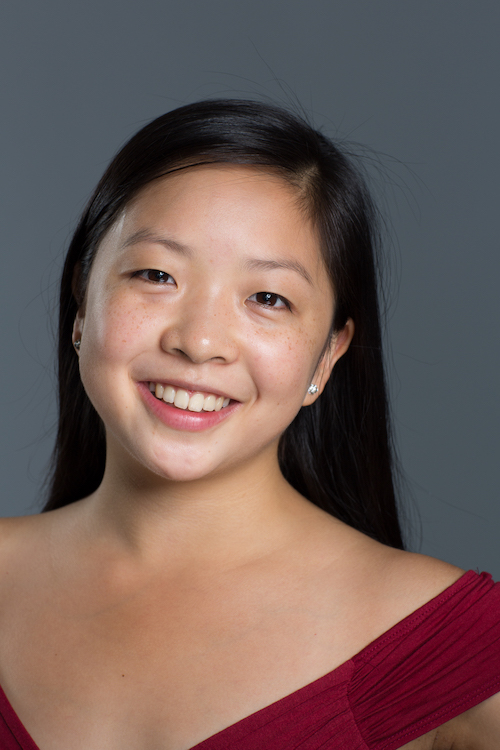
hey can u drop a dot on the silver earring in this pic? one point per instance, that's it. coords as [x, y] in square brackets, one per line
[313, 388]
[77, 344]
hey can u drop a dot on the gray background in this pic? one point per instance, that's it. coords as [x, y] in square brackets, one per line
[416, 81]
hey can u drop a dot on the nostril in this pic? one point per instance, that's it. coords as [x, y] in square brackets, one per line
[181, 353]
[196, 346]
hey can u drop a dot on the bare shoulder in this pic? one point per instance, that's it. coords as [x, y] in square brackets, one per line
[15, 531]
[373, 586]
[17, 528]
[21, 539]
[397, 572]
[410, 580]
[394, 583]
[409, 574]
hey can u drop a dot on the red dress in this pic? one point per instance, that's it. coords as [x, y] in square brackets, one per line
[430, 667]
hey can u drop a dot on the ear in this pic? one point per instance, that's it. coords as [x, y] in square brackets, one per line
[78, 326]
[338, 346]
[80, 316]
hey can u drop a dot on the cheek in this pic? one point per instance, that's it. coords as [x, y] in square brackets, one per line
[115, 328]
[284, 366]
[115, 332]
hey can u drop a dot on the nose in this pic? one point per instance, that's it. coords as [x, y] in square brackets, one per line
[203, 330]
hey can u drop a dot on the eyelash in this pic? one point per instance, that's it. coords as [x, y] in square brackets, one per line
[163, 280]
[273, 295]
[270, 296]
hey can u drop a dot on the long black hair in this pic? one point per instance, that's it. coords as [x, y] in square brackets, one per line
[338, 451]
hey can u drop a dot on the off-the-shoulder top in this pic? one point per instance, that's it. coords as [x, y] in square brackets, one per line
[432, 666]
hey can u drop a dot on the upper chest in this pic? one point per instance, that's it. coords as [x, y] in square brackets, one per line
[170, 661]
[166, 664]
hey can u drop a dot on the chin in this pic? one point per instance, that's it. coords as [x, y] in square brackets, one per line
[183, 474]
[174, 466]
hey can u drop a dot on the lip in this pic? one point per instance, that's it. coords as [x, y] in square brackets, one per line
[180, 419]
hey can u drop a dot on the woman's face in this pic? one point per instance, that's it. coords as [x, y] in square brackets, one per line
[212, 286]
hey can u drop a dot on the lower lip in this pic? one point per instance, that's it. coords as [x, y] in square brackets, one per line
[180, 419]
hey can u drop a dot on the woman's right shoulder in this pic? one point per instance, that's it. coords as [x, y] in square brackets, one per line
[18, 539]
[16, 526]
[12, 529]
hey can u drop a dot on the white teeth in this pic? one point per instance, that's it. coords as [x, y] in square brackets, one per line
[196, 402]
[181, 399]
[209, 403]
[169, 394]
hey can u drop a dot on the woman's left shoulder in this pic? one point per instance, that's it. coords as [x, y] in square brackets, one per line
[454, 645]
[412, 576]
[380, 585]
[404, 580]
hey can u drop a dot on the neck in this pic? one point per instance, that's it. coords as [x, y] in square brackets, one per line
[224, 519]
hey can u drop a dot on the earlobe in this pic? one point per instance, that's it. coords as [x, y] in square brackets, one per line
[338, 346]
[77, 333]
[76, 336]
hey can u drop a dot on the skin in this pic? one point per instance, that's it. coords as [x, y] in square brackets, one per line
[195, 586]
[205, 328]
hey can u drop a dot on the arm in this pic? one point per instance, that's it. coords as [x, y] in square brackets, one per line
[478, 728]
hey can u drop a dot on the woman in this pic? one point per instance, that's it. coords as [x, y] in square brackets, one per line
[222, 564]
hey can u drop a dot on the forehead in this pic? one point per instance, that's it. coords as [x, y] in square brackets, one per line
[214, 193]
[225, 210]
[224, 179]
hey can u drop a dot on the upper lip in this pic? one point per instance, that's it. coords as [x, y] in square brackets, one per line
[194, 388]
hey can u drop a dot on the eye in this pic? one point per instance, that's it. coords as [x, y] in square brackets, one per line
[155, 276]
[269, 299]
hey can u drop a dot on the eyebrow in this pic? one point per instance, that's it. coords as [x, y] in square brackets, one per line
[144, 235]
[270, 265]
[251, 264]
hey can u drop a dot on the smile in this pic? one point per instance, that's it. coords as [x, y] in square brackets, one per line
[182, 400]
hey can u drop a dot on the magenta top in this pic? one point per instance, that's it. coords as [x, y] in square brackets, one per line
[435, 664]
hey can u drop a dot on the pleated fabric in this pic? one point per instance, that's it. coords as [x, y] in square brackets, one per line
[433, 666]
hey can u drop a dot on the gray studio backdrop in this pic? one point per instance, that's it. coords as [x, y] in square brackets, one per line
[416, 82]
